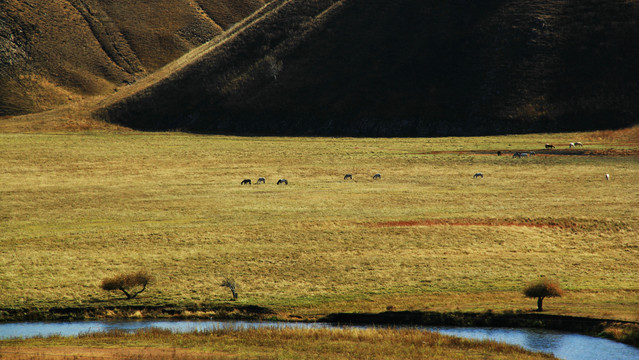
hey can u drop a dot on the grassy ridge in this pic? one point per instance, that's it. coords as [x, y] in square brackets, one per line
[121, 42]
[271, 344]
[78, 208]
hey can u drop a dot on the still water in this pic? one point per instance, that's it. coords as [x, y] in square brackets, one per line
[563, 345]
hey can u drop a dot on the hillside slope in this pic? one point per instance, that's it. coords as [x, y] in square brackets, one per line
[403, 68]
[56, 51]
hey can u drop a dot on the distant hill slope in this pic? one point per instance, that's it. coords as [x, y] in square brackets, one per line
[402, 68]
[56, 51]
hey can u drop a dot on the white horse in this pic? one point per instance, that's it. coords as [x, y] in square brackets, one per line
[579, 144]
[607, 176]
[571, 145]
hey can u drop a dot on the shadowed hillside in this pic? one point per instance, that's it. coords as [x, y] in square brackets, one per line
[56, 51]
[403, 68]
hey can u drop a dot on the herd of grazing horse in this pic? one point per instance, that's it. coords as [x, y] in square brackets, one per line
[262, 180]
[517, 154]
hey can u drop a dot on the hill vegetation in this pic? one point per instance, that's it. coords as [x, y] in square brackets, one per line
[402, 68]
[327, 67]
[56, 51]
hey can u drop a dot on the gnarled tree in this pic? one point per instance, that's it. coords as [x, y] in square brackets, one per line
[542, 289]
[128, 283]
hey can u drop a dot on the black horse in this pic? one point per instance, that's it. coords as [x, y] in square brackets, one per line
[246, 181]
[282, 181]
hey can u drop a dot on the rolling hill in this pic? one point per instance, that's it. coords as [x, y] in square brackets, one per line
[397, 68]
[56, 51]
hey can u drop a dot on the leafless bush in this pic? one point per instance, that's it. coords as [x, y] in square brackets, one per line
[230, 283]
[274, 66]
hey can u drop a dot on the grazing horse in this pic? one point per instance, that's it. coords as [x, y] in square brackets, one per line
[261, 180]
[478, 175]
[523, 154]
[348, 177]
[246, 181]
[377, 176]
[571, 145]
[516, 154]
[550, 146]
[282, 181]
[579, 144]
[499, 153]
[532, 153]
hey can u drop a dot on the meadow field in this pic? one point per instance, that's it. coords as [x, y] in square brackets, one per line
[78, 207]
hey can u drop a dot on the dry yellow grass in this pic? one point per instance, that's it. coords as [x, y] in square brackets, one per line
[77, 208]
[267, 344]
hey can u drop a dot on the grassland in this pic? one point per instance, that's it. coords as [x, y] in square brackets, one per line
[77, 208]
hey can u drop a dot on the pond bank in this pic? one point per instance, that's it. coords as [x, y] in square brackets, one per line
[565, 345]
[218, 312]
[622, 331]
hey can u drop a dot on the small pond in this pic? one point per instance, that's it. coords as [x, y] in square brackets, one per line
[563, 345]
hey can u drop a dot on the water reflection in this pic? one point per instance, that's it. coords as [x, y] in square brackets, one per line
[563, 345]
[31, 329]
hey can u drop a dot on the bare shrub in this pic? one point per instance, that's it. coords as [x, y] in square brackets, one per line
[127, 283]
[230, 283]
[541, 289]
[274, 66]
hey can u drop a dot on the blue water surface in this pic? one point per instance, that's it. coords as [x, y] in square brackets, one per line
[561, 344]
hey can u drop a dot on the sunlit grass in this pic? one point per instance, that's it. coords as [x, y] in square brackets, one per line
[277, 344]
[77, 208]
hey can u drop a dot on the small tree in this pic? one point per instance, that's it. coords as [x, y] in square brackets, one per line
[127, 283]
[274, 66]
[541, 289]
[230, 283]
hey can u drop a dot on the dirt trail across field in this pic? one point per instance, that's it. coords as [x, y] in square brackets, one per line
[567, 152]
[470, 222]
